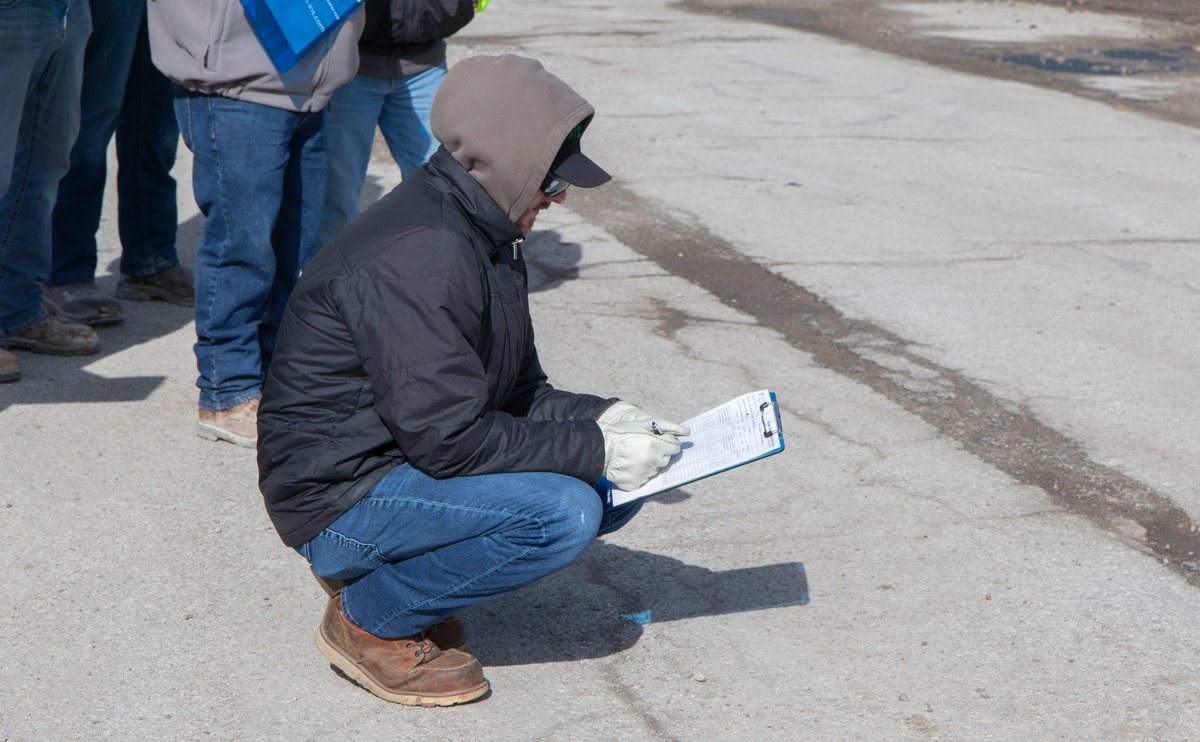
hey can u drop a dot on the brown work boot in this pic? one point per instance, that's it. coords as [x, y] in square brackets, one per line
[447, 634]
[407, 670]
[10, 368]
[82, 304]
[331, 585]
[54, 338]
[175, 285]
[238, 425]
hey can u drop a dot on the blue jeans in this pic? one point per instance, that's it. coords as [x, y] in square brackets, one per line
[258, 174]
[41, 66]
[124, 93]
[417, 549]
[400, 107]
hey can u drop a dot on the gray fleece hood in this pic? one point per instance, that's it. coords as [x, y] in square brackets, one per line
[503, 119]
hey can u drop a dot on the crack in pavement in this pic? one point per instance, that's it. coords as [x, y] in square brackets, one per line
[1004, 434]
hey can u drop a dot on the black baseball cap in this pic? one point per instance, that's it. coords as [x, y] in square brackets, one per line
[573, 166]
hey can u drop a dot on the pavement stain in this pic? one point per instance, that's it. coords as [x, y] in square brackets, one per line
[1006, 435]
[1164, 52]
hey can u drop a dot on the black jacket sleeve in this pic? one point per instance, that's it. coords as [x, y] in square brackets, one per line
[417, 335]
[402, 22]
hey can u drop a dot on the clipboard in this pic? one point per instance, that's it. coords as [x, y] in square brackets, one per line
[743, 430]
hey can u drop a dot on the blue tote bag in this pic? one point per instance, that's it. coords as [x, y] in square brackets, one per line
[289, 28]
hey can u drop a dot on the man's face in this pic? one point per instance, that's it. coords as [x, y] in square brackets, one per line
[540, 202]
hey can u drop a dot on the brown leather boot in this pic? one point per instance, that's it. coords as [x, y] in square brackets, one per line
[10, 369]
[238, 425]
[331, 585]
[447, 634]
[175, 285]
[408, 670]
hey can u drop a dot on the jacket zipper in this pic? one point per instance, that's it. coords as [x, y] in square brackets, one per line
[516, 245]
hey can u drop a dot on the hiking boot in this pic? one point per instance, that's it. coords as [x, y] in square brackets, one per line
[10, 368]
[82, 304]
[175, 285]
[446, 634]
[54, 338]
[408, 670]
[238, 425]
[330, 585]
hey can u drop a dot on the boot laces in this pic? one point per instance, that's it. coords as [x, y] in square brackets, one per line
[423, 649]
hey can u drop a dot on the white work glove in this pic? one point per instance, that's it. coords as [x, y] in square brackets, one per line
[634, 452]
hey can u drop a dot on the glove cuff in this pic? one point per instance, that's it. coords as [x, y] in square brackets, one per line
[615, 411]
[608, 446]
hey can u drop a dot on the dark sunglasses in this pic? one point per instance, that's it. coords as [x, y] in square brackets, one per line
[553, 186]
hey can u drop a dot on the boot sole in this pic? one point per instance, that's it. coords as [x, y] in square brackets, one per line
[148, 294]
[34, 346]
[346, 666]
[7, 376]
[91, 320]
[211, 432]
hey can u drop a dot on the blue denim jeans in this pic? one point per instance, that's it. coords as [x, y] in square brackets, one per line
[258, 174]
[122, 93]
[417, 549]
[147, 140]
[41, 66]
[400, 107]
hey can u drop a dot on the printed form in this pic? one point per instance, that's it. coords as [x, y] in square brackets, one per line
[742, 430]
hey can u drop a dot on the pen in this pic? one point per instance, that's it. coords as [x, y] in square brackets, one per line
[655, 429]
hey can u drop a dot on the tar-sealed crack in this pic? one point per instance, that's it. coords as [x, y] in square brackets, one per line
[1006, 435]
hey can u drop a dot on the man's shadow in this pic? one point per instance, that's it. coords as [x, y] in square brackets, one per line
[599, 605]
[49, 379]
[552, 262]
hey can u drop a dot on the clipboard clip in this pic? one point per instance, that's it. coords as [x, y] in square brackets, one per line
[766, 423]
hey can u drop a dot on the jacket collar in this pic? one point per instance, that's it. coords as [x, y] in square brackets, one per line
[484, 212]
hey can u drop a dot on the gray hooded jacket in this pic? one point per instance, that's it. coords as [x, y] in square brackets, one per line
[208, 46]
[408, 337]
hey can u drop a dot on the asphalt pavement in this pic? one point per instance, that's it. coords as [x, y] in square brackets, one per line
[976, 300]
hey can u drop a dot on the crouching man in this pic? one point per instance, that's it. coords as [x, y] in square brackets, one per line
[410, 446]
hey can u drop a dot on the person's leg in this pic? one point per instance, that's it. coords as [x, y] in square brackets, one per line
[241, 153]
[81, 191]
[26, 43]
[294, 239]
[350, 120]
[29, 37]
[417, 548]
[405, 118]
[45, 60]
[147, 217]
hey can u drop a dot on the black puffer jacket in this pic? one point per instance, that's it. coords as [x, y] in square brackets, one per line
[408, 337]
[404, 37]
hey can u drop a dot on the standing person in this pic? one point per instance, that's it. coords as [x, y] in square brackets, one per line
[41, 59]
[258, 175]
[125, 94]
[402, 61]
[410, 443]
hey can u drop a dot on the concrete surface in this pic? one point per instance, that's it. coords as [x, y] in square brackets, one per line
[1015, 21]
[1038, 248]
